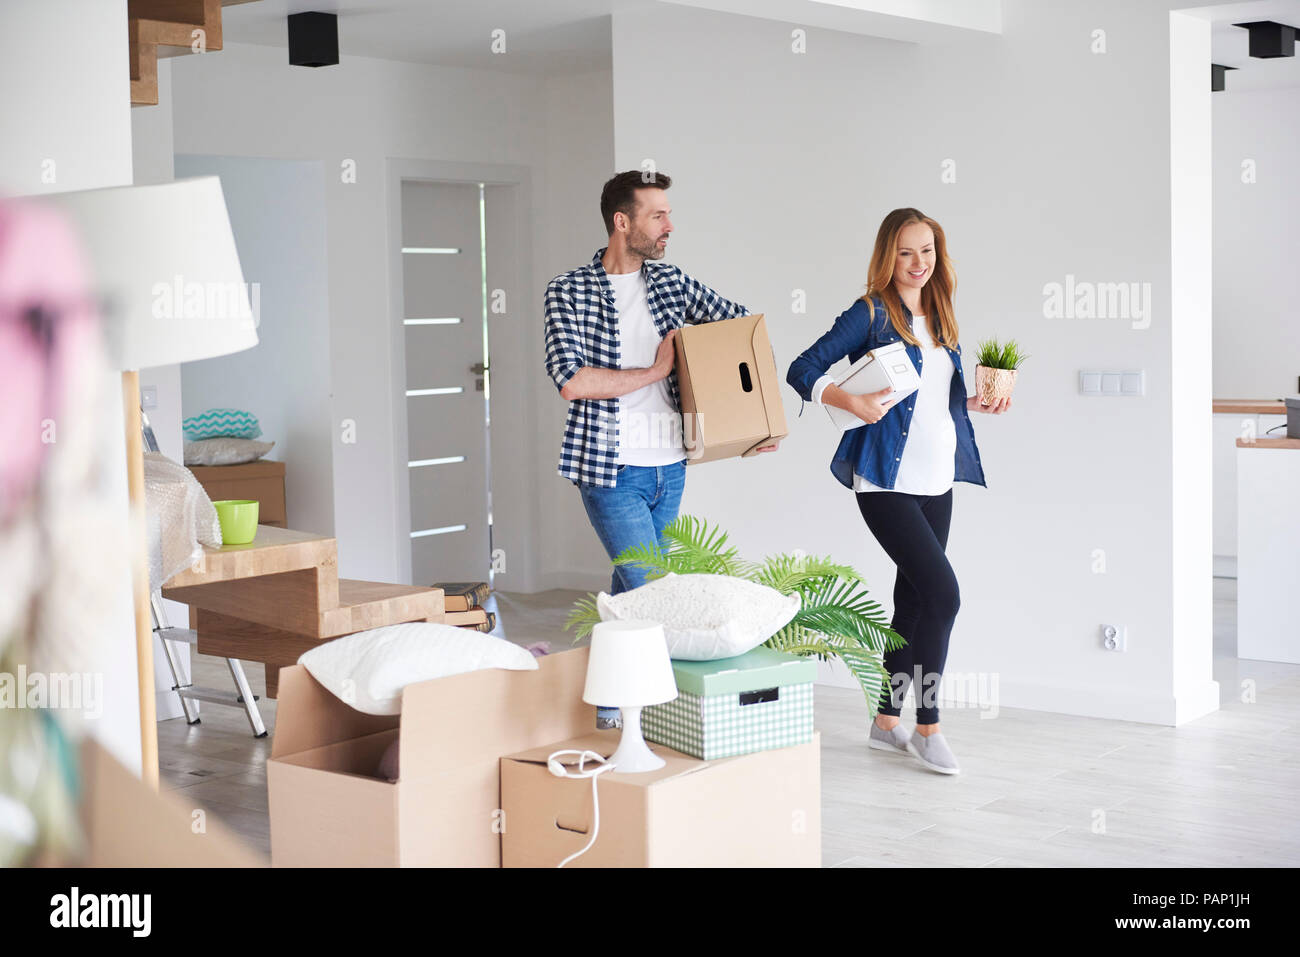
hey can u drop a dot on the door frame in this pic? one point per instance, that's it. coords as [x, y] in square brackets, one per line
[521, 567]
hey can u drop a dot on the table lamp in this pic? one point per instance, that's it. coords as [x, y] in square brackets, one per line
[163, 258]
[629, 667]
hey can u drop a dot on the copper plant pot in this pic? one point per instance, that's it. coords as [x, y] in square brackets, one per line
[994, 384]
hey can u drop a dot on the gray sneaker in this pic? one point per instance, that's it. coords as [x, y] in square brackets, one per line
[933, 752]
[607, 718]
[894, 740]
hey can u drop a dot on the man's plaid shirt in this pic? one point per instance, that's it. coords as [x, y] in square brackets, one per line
[582, 330]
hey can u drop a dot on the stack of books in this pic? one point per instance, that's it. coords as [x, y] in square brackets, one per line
[463, 601]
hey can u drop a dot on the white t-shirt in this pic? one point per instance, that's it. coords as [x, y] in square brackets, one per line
[649, 425]
[928, 463]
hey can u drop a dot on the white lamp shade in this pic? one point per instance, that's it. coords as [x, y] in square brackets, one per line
[629, 665]
[164, 257]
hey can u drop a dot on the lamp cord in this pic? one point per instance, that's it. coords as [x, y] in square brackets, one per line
[581, 773]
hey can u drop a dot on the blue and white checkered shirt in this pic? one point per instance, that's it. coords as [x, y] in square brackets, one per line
[582, 330]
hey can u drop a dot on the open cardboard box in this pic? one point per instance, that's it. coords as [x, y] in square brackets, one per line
[128, 824]
[761, 809]
[329, 809]
[729, 387]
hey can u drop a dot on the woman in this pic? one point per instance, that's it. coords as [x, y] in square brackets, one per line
[902, 464]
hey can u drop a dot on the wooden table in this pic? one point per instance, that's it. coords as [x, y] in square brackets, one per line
[280, 595]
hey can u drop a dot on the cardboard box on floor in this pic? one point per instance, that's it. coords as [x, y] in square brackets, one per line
[730, 390]
[328, 809]
[756, 810]
[127, 824]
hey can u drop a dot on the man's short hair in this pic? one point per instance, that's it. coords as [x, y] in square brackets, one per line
[619, 194]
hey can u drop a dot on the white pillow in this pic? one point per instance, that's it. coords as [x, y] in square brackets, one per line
[225, 451]
[705, 616]
[369, 669]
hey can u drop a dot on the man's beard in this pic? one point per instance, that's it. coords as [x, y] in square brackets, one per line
[645, 247]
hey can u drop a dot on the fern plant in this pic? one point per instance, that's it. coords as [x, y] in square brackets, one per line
[993, 355]
[836, 619]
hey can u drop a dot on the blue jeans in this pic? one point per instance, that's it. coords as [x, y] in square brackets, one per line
[634, 512]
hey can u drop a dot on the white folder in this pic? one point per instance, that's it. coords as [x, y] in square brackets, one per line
[886, 367]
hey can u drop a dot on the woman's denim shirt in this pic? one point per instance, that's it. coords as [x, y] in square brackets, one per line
[875, 450]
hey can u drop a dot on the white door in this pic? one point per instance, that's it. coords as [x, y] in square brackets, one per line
[444, 325]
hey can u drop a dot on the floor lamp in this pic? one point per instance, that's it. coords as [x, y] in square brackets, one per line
[163, 258]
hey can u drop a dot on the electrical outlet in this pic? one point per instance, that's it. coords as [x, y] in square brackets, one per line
[1114, 637]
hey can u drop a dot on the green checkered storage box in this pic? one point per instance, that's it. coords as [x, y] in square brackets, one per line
[753, 702]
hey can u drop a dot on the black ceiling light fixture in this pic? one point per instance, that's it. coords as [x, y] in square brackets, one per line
[1217, 74]
[1269, 39]
[313, 39]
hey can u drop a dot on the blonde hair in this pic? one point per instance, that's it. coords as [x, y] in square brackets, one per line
[936, 295]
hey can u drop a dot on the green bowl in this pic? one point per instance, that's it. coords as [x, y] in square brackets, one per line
[238, 518]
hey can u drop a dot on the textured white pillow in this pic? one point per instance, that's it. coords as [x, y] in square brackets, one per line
[225, 451]
[705, 616]
[369, 669]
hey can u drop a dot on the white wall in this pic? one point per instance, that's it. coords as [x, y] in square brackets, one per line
[66, 120]
[66, 125]
[1256, 338]
[784, 165]
[247, 101]
[1256, 239]
[579, 159]
[278, 217]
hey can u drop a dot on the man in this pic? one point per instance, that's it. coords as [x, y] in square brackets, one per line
[609, 348]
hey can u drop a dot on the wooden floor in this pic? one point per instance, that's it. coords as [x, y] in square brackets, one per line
[1036, 789]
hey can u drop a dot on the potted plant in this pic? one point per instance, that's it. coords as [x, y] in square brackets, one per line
[835, 619]
[995, 370]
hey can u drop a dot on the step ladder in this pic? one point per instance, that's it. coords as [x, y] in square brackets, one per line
[186, 690]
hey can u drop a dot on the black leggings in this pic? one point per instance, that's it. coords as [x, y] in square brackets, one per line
[913, 531]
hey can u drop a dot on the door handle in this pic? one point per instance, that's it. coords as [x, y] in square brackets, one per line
[478, 368]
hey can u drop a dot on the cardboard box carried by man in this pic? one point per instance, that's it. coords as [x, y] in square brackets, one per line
[730, 391]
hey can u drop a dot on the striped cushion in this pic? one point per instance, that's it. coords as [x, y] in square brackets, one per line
[216, 423]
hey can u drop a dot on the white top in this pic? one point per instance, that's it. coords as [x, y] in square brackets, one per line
[928, 463]
[649, 425]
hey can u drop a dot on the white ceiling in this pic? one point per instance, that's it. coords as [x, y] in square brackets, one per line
[912, 21]
[570, 36]
[542, 36]
[1230, 44]
[573, 36]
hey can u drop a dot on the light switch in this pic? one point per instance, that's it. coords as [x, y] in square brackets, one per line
[1112, 383]
[148, 397]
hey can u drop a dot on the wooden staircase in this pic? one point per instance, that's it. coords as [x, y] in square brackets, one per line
[280, 595]
[171, 24]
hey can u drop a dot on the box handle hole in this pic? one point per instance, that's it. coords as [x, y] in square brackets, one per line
[758, 697]
[746, 382]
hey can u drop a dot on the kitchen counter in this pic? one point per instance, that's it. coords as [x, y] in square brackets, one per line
[1268, 557]
[1279, 443]
[1250, 406]
[1234, 420]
